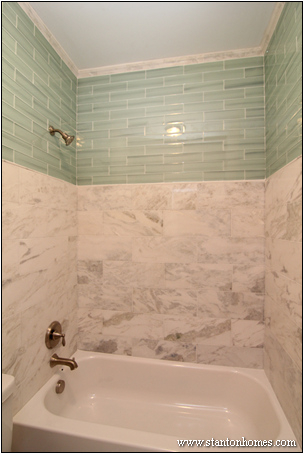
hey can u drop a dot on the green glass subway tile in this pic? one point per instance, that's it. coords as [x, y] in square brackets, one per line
[185, 117]
[109, 88]
[57, 173]
[176, 158]
[254, 154]
[190, 78]
[255, 174]
[9, 41]
[224, 75]
[203, 147]
[84, 181]
[86, 172]
[92, 116]
[147, 83]
[222, 155]
[9, 12]
[157, 130]
[179, 99]
[30, 113]
[210, 126]
[127, 151]
[127, 113]
[90, 153]
[164, 149]
[244, 62]
[29, 162]
[256, 91]
[67, 168]
[123, 77]
[225, 114]
[244, 123]
[127, 170]
[203, 166]
[204, 67]
[146, 178]
[93, 81]
[212, 85]
[255, 133]
[16, 116]
[224, 94]
[42, 42]
[127, 132]
[204, 106]
[161, 168]
[245, 164]
[7, 125]
[8, 70]
[40, 108]
[16, 34]
[244, 83]
[57, 66]
[224, 175]
[278, 164]
[294, 152]
[146, 102]
[110, 124]
[86, 135]
[7, 96]
[68, 111]
[7, 153]
[138, 141]
[84, 108]
[30, 88]
[16, 61]
[142, 160]
[145, 121]
[68, 100]
[84, 91]
[116, 160]
[223, 135]
[164, 91]
[244, 103]
[109, 143]
[252, 72]
[164, 72]
[165, 110]
[130, 94]
[106, 106]
[23, 20]
[36, 137]
[112, 179]
[258, 112]
[257, 143]
[85, 162]
[183, 176]
[45, 157]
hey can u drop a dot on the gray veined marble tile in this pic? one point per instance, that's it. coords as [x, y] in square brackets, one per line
[230, 356]
[152, 197]
[132, 274]
[127, 324]
[247, 333]
[160, 349]
[89, 271]
[164, 249]
[133, 223]
[95, 247]
[184, 196]
[249, 278]
[104, 197]
[164, 301]
[107, 297]
[108, 344]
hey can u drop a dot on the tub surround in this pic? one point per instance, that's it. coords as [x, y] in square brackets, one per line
[173, 271]
[39, 232]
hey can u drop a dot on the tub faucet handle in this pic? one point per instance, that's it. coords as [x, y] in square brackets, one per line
[58, 336]
[54, 334]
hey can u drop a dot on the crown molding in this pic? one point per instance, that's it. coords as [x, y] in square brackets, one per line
[271, 26]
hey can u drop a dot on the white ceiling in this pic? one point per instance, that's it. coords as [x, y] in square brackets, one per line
[96, 34]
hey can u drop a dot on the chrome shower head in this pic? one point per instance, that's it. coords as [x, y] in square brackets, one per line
[66, 137]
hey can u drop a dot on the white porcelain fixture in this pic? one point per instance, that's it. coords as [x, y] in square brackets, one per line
[117, 403]
[8, 384]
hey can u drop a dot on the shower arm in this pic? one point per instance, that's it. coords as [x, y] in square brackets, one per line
[66, 137]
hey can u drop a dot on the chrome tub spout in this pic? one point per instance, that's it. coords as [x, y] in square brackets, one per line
[56, 361]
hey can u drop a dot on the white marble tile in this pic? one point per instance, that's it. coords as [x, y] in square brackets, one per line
[90, 222]
[89, 272]
[11, 341]
[133, 223]
[104, 197]
[95, 247]
[247, 222]
[10, 182]
[197, 275]
[152, 196]
[233, 251]
[284, 257]
[247, 333]
[132, 274]
[249, 278]
[209, 221]
[184, 196]
[140, 326]
[109, 344]
[164, 249]
[230, 356]
[107, 297]
[159, 349]
[165, 301]
[10, 259]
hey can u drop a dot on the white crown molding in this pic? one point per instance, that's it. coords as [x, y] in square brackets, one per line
[271, 25]
[27, 8]
[159, 63]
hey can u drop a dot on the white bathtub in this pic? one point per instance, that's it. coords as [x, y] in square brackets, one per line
[123, 404]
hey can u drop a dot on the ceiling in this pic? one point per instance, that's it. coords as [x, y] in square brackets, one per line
[97, 34]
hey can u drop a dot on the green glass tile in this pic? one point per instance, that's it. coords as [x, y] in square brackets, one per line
[130, 94]
[244, 83]
[116, 160]
[26, 21]
[93, 116]
[7, 125]
[16, 116]
[40, 108]
[165, 110]
[127, 170]
[244, 103]
[244, 123]
[256, 91]
[152, 159]
[147, 83]
[90, 153]
[163, 72]
[223, 94]
[145, 121]
[204, 106]
[138, 141]
[254, 154]
[205, 146]
[204, 67]
[9, 41]
[86, 172]
[185, 117]
[137, 75]
[16, 34]
[84, 108]
[103, 143]
[109, 88]
[259, 112]
[9, 12]
[145, 102]
[146, 178]
[7, 70]
[177, 158]
[164, 91]
[244, 62]
[184, 79]
[224, 75]
[203, 166]
[31, 88]
[110, 124]
[29, 162]
[93, 81]
[164, 149]
[54, 172]
[111, 179]
[127, 132]
[127, 151]
[85, 90]
[255, 133]
[7, 153]
[85, 162]
[245, 164]
[204, 86]
[222, 155]
[46, 157]
[225, 114]
[30, 112]
[16, 61]
[294, 152]
[182, 176]
[224, 175]
[85, 181]
[179, 99]
[94, 135]
[278, 164]
[126, 113]
[255, 174]
[112, 105]
[256, 143]
[7, 96]
[153, 168]
[252, 72]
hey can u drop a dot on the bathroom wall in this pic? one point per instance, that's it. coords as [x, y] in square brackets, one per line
[39, 231]
[173, 271]
[38, 90]
[219, 107]
[283, 208]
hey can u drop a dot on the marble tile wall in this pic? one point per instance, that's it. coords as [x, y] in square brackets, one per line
[283, 298]
[39, 254]
[173, 271]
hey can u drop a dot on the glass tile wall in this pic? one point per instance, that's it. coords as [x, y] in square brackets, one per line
[38, 90]
[185, 123]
